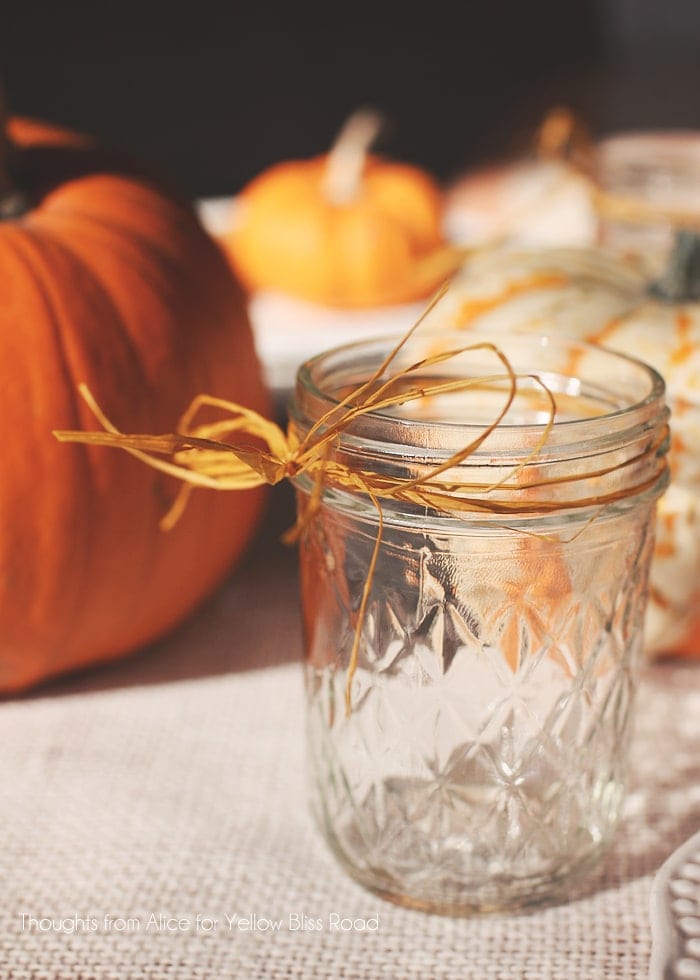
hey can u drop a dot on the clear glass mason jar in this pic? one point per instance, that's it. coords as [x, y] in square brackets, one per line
[481, 761]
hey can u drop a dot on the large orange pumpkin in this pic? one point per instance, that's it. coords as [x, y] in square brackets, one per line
[106, 279]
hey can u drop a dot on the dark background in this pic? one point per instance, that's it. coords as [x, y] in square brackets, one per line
[212, 93]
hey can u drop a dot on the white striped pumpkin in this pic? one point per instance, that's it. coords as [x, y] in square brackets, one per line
[590, 295]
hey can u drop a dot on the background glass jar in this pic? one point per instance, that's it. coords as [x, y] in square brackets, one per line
[481, 762]
[649, 191]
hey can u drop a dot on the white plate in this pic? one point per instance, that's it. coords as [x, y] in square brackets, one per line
[675, 915]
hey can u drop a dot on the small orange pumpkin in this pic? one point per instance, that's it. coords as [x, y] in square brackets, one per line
[105, 279]
[343, 230]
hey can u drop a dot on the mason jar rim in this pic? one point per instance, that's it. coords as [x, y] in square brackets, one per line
[607, 460]
[312, 399]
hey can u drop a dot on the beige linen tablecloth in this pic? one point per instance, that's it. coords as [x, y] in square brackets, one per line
[154, 825]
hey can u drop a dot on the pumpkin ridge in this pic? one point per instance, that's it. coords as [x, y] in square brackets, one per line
[103, 189]
[101, 289]
[136, 605]
[134, 240]
[49, 234]
[120, 246]
[17, 240]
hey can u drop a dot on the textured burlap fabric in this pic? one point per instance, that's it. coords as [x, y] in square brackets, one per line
[154, 825]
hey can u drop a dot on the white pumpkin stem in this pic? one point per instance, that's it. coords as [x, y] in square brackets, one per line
[348, 156]
[12, 201]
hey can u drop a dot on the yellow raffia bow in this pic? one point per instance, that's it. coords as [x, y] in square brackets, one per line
[245, 450]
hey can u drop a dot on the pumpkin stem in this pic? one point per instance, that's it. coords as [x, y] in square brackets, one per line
[563, 136]
[13, 202]
[347, 158]
[681, 281]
